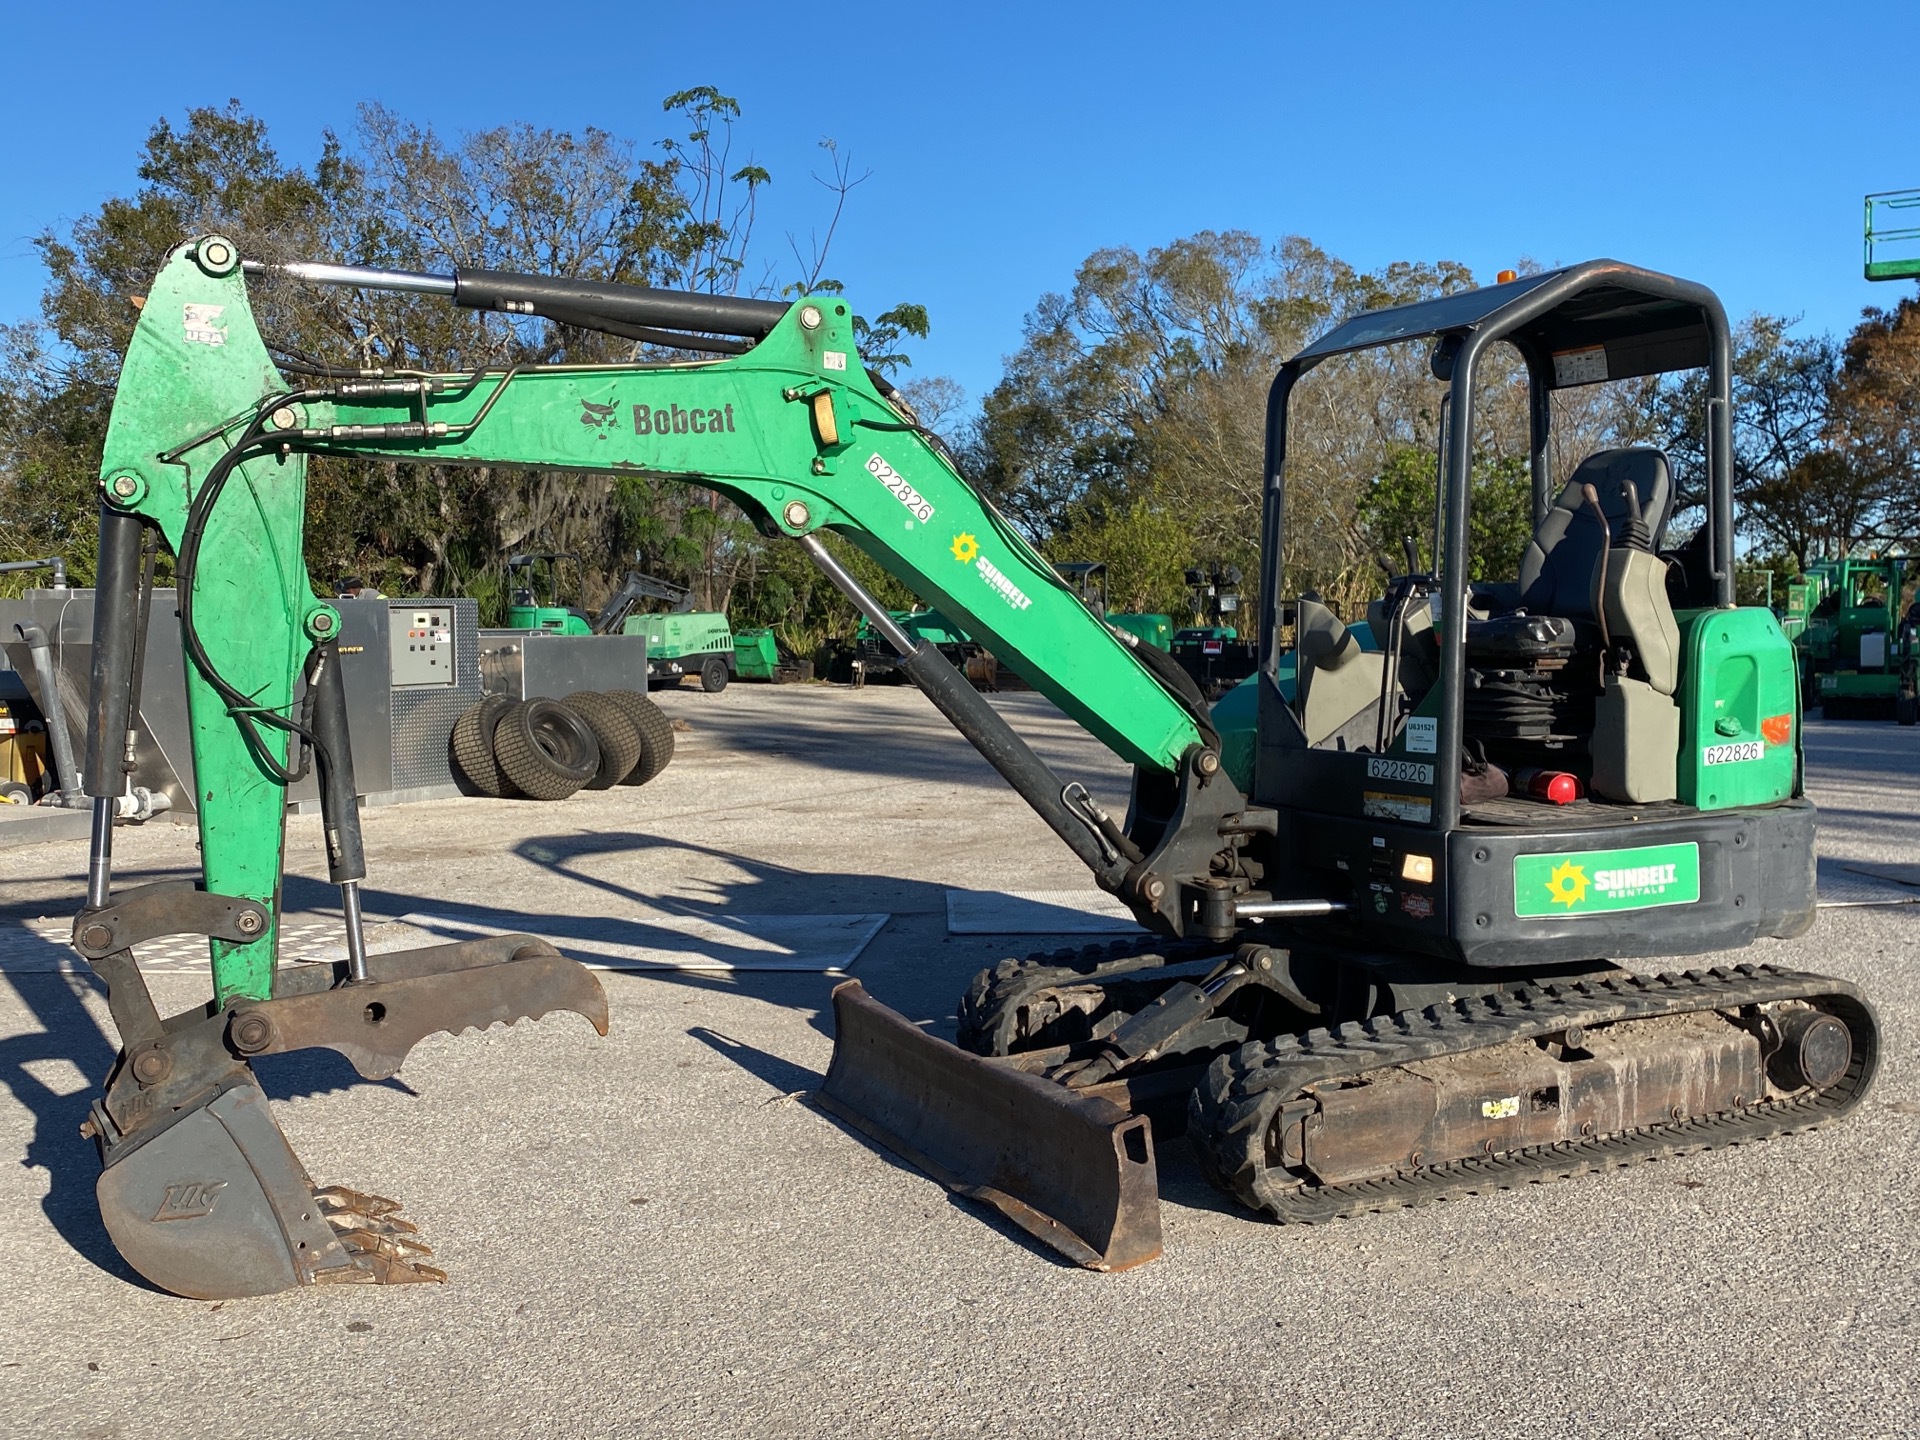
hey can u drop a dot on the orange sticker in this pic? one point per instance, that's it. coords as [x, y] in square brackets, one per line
[1777, 729]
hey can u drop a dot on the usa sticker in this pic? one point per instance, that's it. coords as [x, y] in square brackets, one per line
[202, 324]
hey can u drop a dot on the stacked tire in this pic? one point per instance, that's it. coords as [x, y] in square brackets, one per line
[549, 749]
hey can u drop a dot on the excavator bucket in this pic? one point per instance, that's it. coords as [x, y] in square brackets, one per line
[199, 1189]
[216, 1207]
[1076, 1171]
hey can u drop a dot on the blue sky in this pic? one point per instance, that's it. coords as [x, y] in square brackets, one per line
[1728, 143]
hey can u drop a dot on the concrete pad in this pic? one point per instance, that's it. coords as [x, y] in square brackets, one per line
[648, 1236]
[1038, 912]
[38, 824]
[1849, 882]
[39, 946]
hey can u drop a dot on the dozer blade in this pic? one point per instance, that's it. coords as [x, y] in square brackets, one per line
[1074, 1170]
[201, 1192]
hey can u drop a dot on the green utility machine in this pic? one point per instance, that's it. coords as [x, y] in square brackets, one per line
[1378, 968]
[1855, 642]
[681, 641]
[1088, 579]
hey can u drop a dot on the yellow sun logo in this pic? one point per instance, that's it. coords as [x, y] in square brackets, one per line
[965, 548]
[1567, 884]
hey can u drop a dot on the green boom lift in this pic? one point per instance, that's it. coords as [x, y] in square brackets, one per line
[1373, 977]
[1893, 235]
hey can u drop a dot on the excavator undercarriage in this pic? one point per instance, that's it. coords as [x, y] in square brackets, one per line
[1306, 1117]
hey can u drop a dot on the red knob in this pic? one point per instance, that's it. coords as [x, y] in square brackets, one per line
[1556, 787]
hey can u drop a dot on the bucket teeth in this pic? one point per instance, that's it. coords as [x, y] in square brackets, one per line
[379, 1240]
[339, 1197]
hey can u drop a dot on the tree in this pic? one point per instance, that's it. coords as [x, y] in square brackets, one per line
[1399, 505]
[1876, 412]
[396, 194]
[1800, 485]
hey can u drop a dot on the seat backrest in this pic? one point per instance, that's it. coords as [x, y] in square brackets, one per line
[1339, 681]
[1556, 573]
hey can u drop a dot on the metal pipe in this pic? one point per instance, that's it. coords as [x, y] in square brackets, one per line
[1286, 909]
[356, 930]
[55, 563]
[364, 277]
[55, 713]
[100, 852]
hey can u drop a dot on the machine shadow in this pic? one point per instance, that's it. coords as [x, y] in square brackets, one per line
[69, 1033]
[789, 1079]
[921, 984]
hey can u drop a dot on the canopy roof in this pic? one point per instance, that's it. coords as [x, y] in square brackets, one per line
[1600, 320]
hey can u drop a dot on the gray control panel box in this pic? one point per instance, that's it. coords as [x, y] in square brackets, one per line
[420, 645]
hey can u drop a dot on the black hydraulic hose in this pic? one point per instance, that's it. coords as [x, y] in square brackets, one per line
[240, 706]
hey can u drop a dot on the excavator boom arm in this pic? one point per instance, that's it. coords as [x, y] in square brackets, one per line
[208, 438]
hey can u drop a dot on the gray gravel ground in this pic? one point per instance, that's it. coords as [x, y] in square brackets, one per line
[648, 1236]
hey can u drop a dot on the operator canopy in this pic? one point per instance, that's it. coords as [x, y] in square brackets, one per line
[1599, 320]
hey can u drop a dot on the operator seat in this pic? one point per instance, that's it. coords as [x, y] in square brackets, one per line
[1608, 582]
[1557, 572]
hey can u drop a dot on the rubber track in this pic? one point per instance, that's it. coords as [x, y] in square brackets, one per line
[1230, 1113]
[987, 1011]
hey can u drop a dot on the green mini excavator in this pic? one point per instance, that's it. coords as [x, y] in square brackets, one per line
[1382, 963]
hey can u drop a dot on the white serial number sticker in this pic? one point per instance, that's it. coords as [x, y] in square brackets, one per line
[1410, 772]
[1733, 754]
[902, 491]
